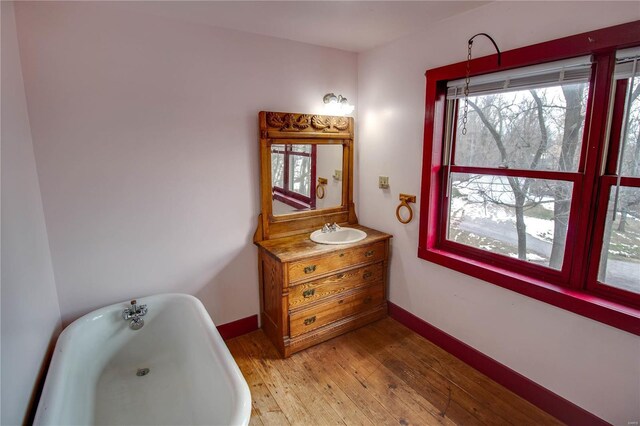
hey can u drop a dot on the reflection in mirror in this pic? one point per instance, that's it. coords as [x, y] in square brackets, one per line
[295, 169]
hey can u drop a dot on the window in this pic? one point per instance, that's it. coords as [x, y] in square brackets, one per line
[532, 181]
[617, 254]
[510, 176]
[293, 174]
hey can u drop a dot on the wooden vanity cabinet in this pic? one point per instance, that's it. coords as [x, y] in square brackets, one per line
[312, 292]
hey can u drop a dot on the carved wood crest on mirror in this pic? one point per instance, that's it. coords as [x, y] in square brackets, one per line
[306, 173]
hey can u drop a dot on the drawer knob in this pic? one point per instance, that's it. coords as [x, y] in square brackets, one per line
[310, 320]
[367, 300]
[309, 269]
[340, 276]
[341, 254]
[366, 275]
[308, 293]
[369, 253]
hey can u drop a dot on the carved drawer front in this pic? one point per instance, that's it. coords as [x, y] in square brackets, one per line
[306, 293]
[309, 319]
[309, 268]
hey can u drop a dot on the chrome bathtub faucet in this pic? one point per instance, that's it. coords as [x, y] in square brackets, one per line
[134, 313]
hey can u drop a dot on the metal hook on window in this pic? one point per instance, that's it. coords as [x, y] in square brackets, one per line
[492, 41]
[467, 78]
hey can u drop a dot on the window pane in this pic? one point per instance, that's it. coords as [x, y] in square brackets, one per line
[537, 129]
[630, 146]
[620, 258]
[301, 148]
[300, 174]
[277, 169]
[523, 218]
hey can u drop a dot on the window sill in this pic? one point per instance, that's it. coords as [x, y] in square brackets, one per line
[576, 301]
[290, 201]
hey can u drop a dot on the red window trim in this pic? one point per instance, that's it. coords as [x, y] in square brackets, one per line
[567, 290]
[292, 198]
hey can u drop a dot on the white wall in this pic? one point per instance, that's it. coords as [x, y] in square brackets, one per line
[146, 136]
[30, 312]
[591, 364]
[278, 207]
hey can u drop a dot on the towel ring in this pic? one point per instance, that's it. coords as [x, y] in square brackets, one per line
[320, 187]
[404, 202]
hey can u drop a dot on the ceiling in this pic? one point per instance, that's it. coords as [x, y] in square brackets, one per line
[354, 26]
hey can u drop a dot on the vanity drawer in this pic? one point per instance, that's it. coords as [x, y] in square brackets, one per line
[308, 292]
[309, 319]
[306, 269]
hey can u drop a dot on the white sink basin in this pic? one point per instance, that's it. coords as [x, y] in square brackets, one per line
[341, 236]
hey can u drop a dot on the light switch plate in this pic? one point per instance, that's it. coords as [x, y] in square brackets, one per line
[383, 182]
[337, 174]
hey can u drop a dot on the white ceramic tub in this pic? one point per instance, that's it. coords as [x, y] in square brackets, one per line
[192, 379]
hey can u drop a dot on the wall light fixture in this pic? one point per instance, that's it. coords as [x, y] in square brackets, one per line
[337, 105]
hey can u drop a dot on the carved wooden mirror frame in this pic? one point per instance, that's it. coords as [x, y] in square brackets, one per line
[286, 128]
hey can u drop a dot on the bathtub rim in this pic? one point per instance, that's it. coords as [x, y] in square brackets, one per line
[55, 378]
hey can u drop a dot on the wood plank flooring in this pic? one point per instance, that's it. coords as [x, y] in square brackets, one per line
[381, 374]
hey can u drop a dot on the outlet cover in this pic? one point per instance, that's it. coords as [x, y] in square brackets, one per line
[383, 182]
[337, 174]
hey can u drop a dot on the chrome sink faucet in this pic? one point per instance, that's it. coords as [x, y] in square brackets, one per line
[330, 227]
[133, 313]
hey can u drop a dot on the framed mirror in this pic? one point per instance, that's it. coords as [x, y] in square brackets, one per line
[306, 173]
[305, 176]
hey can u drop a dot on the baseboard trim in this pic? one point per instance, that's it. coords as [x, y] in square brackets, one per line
[552, 403]
[239, 327]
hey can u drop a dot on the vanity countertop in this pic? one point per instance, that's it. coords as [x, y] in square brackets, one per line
[300, 246]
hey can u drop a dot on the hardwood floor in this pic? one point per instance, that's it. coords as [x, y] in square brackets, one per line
[381, 374]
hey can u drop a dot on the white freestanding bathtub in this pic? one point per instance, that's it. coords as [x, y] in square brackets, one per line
[192, 379]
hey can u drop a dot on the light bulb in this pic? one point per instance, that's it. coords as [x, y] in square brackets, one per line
[347, 108]
[337, 105]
